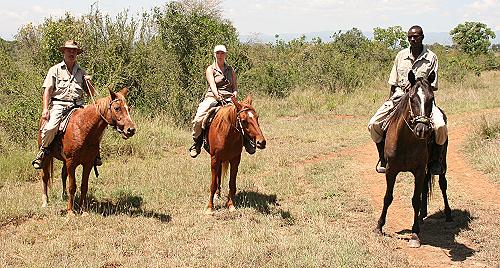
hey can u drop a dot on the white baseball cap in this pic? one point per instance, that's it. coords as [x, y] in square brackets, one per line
[220, 48]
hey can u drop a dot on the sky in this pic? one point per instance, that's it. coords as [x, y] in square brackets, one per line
[269, 17]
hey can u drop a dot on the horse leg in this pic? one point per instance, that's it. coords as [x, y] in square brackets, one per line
[232, 184]
[71, 188]
[390, 179]
[425, 196]
[216, 166]
[443, 185]
[416, 201]
[46, 170]
[64, 177]
[82, 203]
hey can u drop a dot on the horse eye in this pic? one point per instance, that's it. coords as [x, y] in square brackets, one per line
[117, 109]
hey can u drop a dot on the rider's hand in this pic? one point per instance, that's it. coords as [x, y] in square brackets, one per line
[45, 114]
[88, 77]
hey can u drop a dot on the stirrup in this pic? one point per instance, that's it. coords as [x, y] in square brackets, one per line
[380, 168]
[98, 161]
[194, 150]
[40, 157]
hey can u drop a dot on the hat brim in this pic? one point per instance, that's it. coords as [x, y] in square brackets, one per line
[78, 50]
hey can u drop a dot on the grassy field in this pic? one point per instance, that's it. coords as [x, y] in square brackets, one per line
[300, 203]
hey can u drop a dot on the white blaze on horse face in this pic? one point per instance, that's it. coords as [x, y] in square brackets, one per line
[250, 114]
[128, 113]
[421, 94]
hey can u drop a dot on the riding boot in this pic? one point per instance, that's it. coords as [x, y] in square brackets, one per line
[380, 148]
[195, 149]
[40, 157]
[98, 160]
[436, 163]
[249, 145]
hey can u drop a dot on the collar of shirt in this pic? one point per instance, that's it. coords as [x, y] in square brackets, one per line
[422, 55]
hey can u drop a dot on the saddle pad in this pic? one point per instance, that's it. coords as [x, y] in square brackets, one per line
[64, 123]
[208, 118]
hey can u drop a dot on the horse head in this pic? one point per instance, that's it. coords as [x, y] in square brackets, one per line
[120, 115]
[421, 100]
[249, 121]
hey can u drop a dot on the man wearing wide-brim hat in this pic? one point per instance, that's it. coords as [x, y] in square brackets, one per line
[64, 86]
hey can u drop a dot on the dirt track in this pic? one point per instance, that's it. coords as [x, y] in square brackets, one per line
[470, 194]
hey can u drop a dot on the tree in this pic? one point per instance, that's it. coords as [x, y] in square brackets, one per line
[393, 37]
[472, 37]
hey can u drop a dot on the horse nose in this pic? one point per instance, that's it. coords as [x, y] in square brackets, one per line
[131, 131]
[261, 144]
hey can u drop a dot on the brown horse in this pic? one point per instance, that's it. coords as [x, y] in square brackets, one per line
[225, 137]
[407, 146]
[79, 144]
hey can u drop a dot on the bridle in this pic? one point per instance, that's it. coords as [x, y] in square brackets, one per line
[414, 120]
[239, 125]
[113, 122]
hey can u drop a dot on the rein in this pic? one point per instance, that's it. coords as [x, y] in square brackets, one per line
[239, 126]
[96, 108]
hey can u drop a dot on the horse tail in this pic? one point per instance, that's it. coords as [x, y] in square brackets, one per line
[225, 168]
[50, 163]
[430, 184]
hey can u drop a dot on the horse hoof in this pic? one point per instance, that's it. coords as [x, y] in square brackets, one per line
[209, 211]
[377, 231]
[414, 241]
[45, 204]
[231, 208]
[85, 214]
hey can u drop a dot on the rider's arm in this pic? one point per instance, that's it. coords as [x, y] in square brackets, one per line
[47, 93]
[211, 82]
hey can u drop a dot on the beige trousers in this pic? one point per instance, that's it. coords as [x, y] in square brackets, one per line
[203, 107]
[375, 126]
[49, 128]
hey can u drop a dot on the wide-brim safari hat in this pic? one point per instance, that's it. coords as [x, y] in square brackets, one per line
[71, 44]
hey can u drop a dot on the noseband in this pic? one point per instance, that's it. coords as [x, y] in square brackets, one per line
[414, 120]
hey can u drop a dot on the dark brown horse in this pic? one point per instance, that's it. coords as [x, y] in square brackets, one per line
[225, 137]
[407, 147]
[79, 144]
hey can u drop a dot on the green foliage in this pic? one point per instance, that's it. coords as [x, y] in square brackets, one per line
[472, 37]
[191, 31]
[393, 37]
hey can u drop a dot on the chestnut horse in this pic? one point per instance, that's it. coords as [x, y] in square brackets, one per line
[407, 147]
[225, 136]
[79, 144]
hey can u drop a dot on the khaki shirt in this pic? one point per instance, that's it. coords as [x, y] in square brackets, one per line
[65, 86]
[425, 63]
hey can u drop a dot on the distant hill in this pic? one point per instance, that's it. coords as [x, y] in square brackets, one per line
[443, 38]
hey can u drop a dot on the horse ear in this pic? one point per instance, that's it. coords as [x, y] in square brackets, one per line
[124, 91]
[112, 94]
[248, 100]
[431, 77]
[411, 77]
[236, 103]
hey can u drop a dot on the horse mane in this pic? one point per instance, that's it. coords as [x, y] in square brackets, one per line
[228, 115]
[400, 111]
[102, 104]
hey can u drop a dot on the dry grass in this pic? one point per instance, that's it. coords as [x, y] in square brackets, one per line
[300, 204]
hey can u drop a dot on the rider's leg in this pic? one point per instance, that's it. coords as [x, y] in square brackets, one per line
[441, 131]
[377, 133]
[48, 132]
[203, 107]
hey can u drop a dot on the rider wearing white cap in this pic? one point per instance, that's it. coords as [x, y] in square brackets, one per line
[222, 84]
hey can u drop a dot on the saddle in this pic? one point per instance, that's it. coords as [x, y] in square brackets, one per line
[67, 113]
